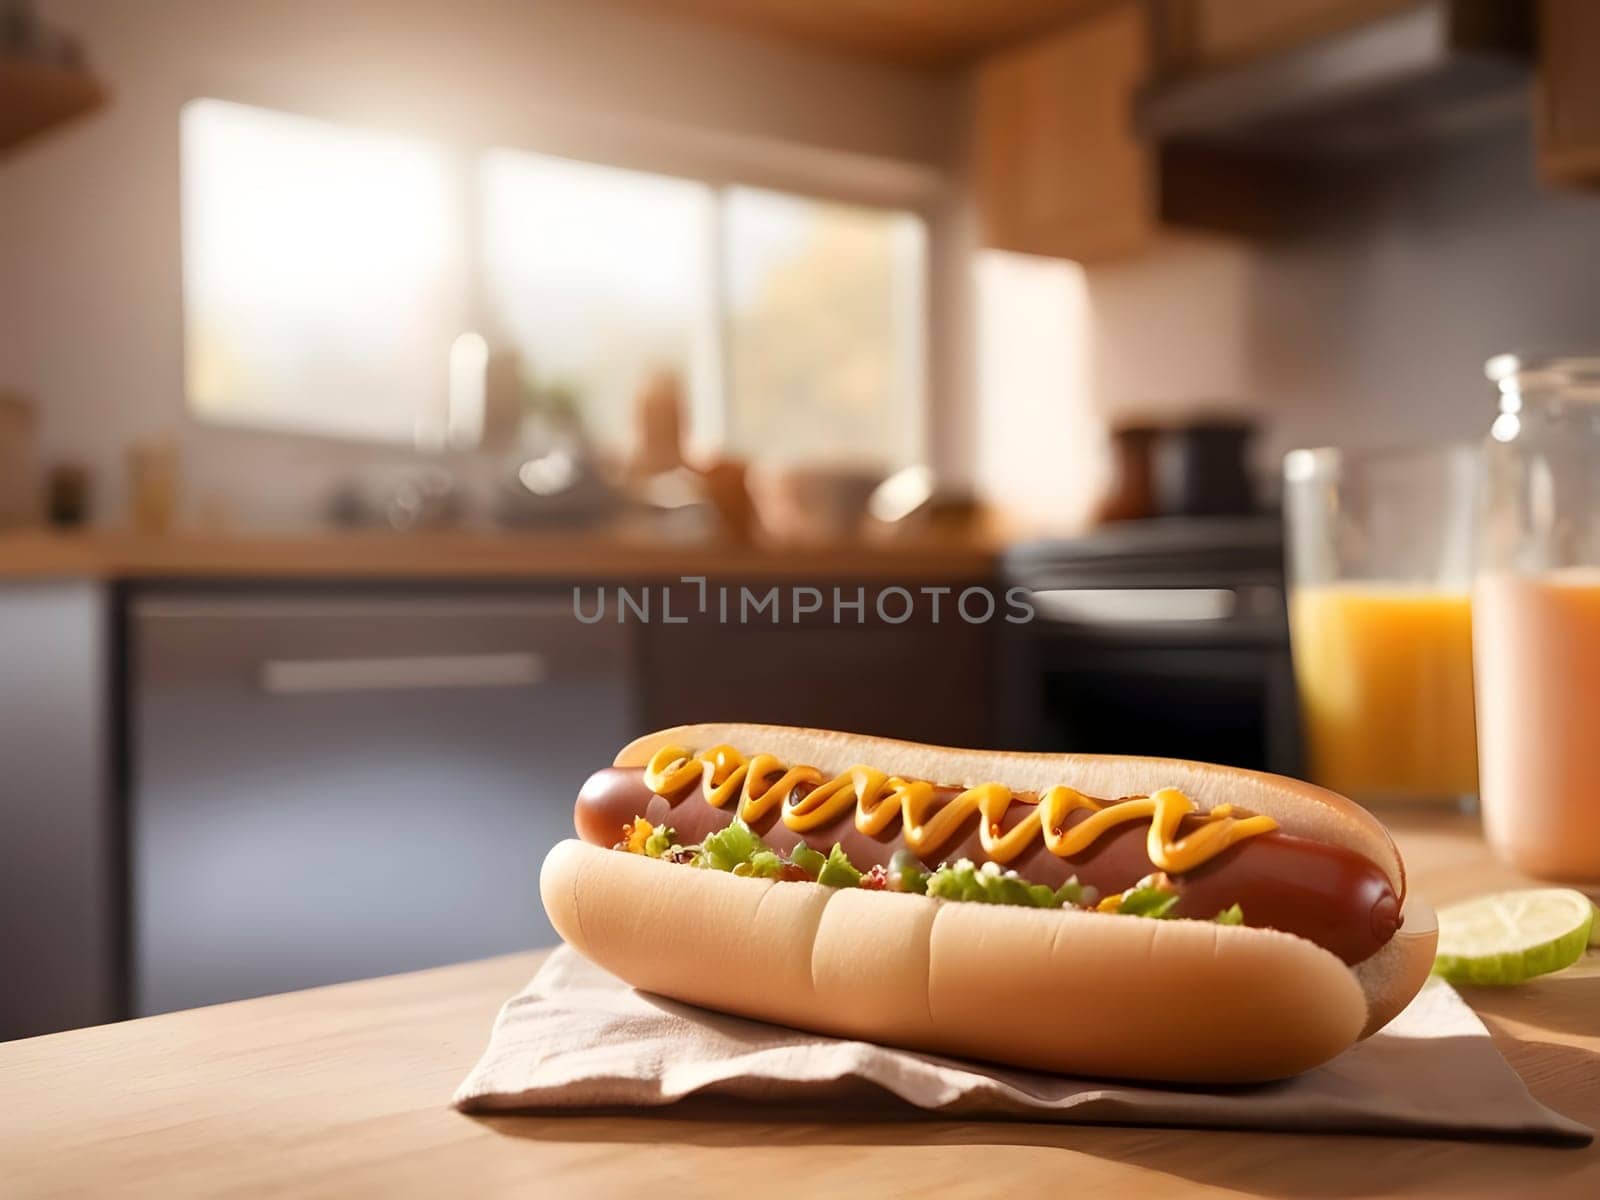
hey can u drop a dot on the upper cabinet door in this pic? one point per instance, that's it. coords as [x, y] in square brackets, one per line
[1567, 98]
[1060, 170]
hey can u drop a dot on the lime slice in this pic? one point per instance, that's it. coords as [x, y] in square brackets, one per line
[1511, 936]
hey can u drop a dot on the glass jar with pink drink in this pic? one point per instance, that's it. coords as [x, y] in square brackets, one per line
[1536, 617]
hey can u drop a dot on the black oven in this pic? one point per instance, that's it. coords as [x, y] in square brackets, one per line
[1165, 637]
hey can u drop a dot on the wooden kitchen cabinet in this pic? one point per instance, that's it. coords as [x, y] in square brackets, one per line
[1567, 94]
[1209, 114]
[1059, 168]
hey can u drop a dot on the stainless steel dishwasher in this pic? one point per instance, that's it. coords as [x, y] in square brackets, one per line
[326, 787]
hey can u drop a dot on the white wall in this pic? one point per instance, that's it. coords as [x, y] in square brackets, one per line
[1039, 448]
[1372, 325]
[89, 239]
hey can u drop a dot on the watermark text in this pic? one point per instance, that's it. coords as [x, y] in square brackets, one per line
[794, 604]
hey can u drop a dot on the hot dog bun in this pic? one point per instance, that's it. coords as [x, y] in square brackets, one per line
[1058, 990]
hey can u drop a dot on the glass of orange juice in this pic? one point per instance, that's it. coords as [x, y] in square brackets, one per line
[1380, 547]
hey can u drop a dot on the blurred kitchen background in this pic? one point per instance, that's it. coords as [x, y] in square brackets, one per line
[340, 343]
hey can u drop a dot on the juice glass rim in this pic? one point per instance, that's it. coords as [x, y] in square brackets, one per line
[1304, 465]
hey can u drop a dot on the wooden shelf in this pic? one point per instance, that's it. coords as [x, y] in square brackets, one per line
[35, 96]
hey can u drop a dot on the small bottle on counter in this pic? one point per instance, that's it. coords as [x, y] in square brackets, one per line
[68, 496]
[153, 486]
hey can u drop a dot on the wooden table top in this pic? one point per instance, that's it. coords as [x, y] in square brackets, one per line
[344, 1091]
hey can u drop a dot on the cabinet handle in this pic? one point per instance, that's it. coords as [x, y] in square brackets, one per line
[290, 677]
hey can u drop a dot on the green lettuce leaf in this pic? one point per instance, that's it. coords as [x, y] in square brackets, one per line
[837, 870]
[1148, 902]
[966, 881]
[1069, 894]
[729, 848]
[763, 864]
[660, 841]
[1230, 916]
[808, 860]
[906, 873]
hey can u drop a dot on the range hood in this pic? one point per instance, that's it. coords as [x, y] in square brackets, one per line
[1425, 70]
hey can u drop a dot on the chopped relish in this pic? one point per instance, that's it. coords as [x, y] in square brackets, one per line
[739, 850]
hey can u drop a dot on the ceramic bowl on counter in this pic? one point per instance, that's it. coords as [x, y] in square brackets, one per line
[810, 503]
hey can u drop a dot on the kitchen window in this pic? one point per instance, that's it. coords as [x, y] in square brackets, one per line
[323, 273]
[594, 277]
[823, 317]
[354, 284]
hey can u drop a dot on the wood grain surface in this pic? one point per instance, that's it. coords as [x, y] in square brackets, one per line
[344, 1091]
[556, 557]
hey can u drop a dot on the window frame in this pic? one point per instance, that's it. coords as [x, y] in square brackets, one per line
[721, 161]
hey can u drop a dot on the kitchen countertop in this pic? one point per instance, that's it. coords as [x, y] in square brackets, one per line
[344, 1091]
[543, 556]
[460, 554]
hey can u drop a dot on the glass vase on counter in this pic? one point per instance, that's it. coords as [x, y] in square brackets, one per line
[1380, 620]
[1537, 617]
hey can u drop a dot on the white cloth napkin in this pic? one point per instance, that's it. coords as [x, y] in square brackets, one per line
[577, 1037]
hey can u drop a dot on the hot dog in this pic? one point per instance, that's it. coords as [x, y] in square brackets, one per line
[1324, 893]
[1283, 938]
